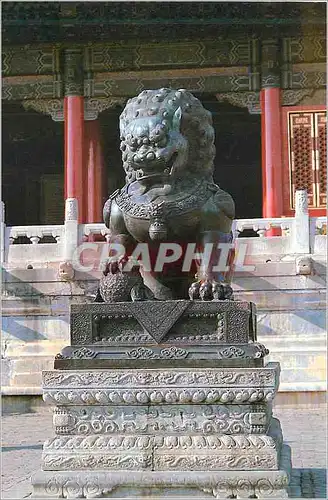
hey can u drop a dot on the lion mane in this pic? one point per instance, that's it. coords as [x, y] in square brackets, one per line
[195, 126]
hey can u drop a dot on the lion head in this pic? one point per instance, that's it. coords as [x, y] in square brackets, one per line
[165, 134]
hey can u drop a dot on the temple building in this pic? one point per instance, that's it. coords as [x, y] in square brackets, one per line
[68, 68]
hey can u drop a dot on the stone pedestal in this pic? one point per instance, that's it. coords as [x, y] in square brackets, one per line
[163, 399]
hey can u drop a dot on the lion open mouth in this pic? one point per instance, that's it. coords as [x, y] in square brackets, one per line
[150, 173]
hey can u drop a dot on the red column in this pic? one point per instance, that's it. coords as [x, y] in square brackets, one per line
[271, 152]
[94, 171]
[74, 130]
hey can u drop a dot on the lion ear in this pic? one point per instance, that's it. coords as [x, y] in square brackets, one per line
[177, 119]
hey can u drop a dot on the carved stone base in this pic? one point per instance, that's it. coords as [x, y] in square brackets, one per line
[161, 386]
[165, 452]
[169, 484]
[151, 395]
[162, 419]
[174, 322]
[169, 355]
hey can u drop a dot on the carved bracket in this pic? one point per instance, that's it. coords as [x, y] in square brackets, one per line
[55, 107]
[292, 97]
[251, 100]
[94, 106]
[52, 107]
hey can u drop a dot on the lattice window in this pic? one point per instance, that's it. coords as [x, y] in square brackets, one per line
[307, 156]
[302, 155]
[321, 157]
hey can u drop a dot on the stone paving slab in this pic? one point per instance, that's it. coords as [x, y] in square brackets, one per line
[304, 429]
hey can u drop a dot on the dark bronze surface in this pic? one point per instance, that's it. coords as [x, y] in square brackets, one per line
[167, 144]
[98, 364]
[171, 321]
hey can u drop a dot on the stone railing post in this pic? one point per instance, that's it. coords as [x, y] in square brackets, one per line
[301, 226]
[71, 238]
[2, 232]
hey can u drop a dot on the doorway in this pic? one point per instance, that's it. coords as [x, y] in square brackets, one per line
[32, 167]
[237, 165]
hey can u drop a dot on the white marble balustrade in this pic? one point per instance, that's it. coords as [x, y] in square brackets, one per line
[299, 235]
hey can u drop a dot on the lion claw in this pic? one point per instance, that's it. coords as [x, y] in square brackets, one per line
[194, 291]
[210, 290]
[205, 290]
[113, 267]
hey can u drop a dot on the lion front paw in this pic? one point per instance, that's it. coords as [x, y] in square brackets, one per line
[210, 290]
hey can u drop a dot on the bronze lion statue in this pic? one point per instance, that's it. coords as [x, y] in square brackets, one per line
[167, 144]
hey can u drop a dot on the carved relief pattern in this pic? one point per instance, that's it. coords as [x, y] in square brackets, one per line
[166, 353]
[242, 377]
[183, 321]
[84, 486]
[81, 329]
[190, 199]
[302, 154]
[178, 443]
[191, 462]
[203, 419]
[212, 462]
[101, 350]
[82, 353]
[88, 462]
[191, 339]
[237, 352]
[55, 107]
[160, 452]
[94, 106]
[76, 488]
[115, 337]
[250, 100]
[247, 488]
[161, 396]
[292, 97]
[197, 328]
[110, 327]
[158, 320]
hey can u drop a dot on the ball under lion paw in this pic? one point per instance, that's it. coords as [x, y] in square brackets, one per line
[117, 287]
